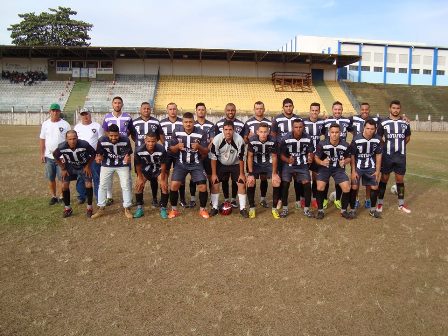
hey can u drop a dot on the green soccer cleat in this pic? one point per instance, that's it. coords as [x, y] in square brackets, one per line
[338, 204]
[163, 213]
[139, 213]
[252, 213]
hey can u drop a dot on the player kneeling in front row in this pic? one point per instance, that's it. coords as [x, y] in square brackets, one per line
[366, 155]
[78, 155]
[296, 150]
[227, 159]
[332, 155]
[262, 161]
[150, 165]
[192, 147]
[114, 153]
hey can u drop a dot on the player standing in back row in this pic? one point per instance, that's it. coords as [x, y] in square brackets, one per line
[396, 134]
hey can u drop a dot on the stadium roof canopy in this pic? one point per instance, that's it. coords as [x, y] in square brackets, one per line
[114, 53]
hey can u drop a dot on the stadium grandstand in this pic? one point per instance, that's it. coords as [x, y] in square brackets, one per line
[91, 76]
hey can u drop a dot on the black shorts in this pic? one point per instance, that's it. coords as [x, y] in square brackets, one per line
[300, 173]
[74, 174]
[366, 176]
[196, 170]
[395, 162]
[262, 170]
[314, 167]
[225, 172]
[170, 161]
[337, 173]
[151, 175]
[207, 163]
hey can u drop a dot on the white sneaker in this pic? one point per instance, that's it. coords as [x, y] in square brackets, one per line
[379, 208]
[404, 208]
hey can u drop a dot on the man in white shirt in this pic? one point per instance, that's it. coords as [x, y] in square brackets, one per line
[52, 134]
[89, 131]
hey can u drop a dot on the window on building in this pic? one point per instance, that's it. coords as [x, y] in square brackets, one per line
[402, 70]
[366, 56]
[427, 71]
[377, 69]
[353, 67]
[378, 57]
[391, 70]
[63, 64]
[403, 59]
[391, 58]
[441, 60]
[106, 64]
[92, 64]
[77, 64]
[427, 60]
[440, 72]
[365, 68]
[415, 59]
[415, 71]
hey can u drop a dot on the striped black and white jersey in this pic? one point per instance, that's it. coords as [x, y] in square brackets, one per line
[357, 124]
[344, 124]
[78, 157]
[365, 151]
[297, 148]
[314, 129]
[227, 153]
[207, 127]
[114, 153]
[142, 127]
[252, 124]
[238, 126]
[150, 162]
[281, 124]
[335, 153]
[168, 128]
[394, 133]
[188, 155]
[262, 150]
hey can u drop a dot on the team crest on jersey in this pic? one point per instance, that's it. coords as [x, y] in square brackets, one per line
[232, 151]
[61, 129]
[404, 127]
[93, 130]
[153, 127]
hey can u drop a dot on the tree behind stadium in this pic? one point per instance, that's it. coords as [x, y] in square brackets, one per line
[53, 28]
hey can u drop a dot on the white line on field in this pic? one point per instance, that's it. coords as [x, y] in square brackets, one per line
[428, 177]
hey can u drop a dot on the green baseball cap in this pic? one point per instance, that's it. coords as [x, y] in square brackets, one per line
[55, 106]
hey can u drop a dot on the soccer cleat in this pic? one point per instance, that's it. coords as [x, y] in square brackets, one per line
[67, 212]
[163, 213]
[379, 208]
[81, 201]
[374, 214]
[204, 214]
[139, 213]
[357, 204]
[284, 213]
[89, 213]
[213, 212]
[183, 204]
[155, 203]
[61, 201]
[127, 213]
[367, 204]
[192, 204]
[314, 204]
[173, 213]
[275, 213]
[252, 213]
[98, 213]
[404, 208]
[264, 204]
[234, 204]
[53, 201]
[345, 214]
[109, 201]
[352, 213]
[244, 213]
[320, 215]
[325, 204]
[338, 204]
[308, 214]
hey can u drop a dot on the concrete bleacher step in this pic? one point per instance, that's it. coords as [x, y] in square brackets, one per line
[77, 98]
[325, 95]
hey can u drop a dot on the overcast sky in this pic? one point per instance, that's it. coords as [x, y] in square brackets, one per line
[236, 24]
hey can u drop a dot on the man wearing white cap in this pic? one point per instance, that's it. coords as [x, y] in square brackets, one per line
[89, 131]
[51, 135]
